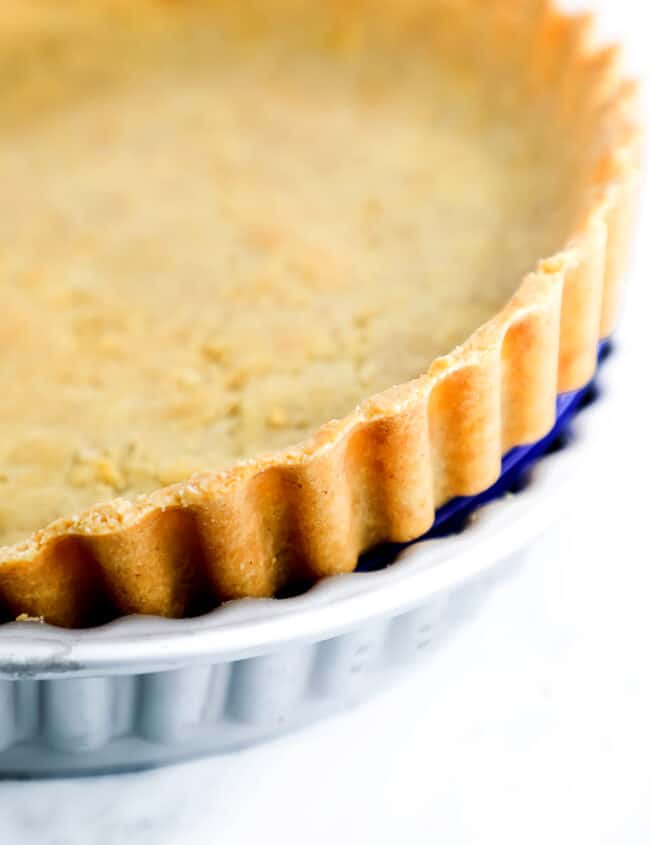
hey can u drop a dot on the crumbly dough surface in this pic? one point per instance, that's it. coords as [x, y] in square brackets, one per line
[215, 238]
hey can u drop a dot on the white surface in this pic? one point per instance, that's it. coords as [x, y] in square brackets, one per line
[531, 726]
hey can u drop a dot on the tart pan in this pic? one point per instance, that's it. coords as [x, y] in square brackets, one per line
[144, 691]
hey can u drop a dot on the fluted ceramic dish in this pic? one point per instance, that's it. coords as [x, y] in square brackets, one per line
[145, 691]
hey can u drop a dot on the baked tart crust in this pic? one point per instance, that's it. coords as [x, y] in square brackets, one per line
[379, 473]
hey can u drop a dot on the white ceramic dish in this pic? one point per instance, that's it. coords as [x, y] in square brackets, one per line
[145, 691]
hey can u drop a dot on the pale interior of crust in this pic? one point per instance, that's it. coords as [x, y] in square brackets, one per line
[217, 233]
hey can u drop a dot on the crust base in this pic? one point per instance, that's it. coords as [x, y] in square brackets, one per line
[380, 473]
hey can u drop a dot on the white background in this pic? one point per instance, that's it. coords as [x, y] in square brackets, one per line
[532, 726]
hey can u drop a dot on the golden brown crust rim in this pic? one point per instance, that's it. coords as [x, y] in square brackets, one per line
[380, 473]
